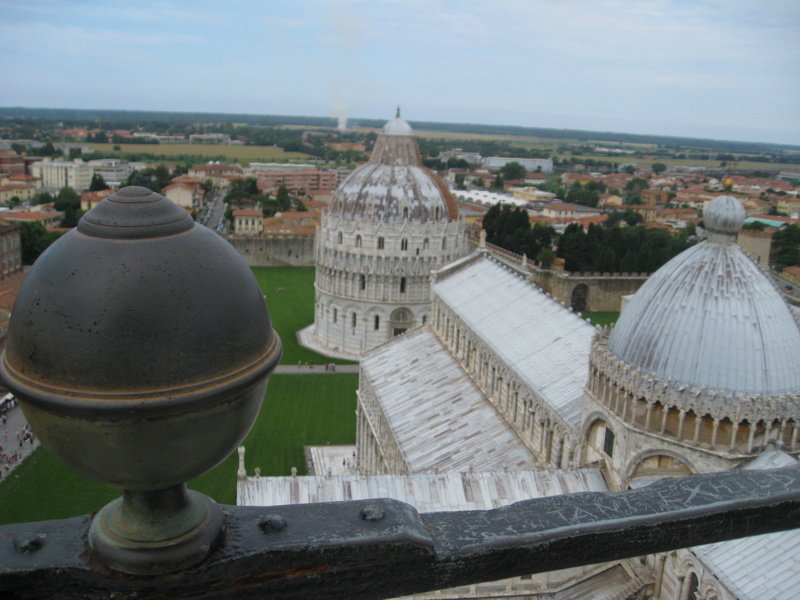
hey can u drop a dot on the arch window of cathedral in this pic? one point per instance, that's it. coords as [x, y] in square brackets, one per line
[339, 237]
[353, 320]
[404, 244]
[362, 282]
[402, 285]
[405, 212]
[444, 243]
[377, 322]
[693, 590]
[425, 243]
[358, 241]
[436, 213]
[380, 243]
[335, 315]
[608, 443]
[401, 321]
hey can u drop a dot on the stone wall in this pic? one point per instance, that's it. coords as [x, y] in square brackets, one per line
[589, 292]
[756, 244]
[275, 252]
[584, 292]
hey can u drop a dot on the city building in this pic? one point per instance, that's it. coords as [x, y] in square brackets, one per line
[545, 165]
[183, 194]
[247, 222]
[56, 174]
[114, 171]
[389, 224]
[20, 191]
[10, 248]
[296, 180]
[91, 199]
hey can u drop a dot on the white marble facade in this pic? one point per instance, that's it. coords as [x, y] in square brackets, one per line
[390, 223]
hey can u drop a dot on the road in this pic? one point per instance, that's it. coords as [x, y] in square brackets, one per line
[216, 212]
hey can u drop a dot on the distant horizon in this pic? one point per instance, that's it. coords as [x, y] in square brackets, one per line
[355, 122]
[717, 69]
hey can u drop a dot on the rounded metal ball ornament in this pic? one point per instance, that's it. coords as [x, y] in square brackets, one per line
[139, 346]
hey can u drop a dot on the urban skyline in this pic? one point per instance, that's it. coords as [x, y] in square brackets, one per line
[714, 69]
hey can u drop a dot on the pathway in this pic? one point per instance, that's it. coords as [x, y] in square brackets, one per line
[10, 441]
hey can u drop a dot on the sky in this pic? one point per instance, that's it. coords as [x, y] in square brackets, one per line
[723, 69]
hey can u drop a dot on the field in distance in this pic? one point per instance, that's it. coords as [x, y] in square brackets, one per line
[234, 153]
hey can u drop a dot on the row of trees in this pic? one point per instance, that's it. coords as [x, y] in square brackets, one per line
[618, 249]
[600, 248]
[786, 247]
[510, 228]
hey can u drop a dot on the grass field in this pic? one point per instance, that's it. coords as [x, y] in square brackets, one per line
[235, 153]
[297, 411]
[602, 318]
[292, 309]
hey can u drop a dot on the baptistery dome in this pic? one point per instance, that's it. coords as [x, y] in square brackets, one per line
[710, 318]
[394, 186]
[390, 222]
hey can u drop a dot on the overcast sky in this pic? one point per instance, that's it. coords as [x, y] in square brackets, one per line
[725, 69]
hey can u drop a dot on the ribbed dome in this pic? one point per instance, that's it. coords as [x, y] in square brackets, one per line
[394, 186]
[398, 126]
[709, 317]
[724, 216]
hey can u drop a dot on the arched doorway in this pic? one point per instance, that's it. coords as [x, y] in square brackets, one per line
[658, 466]
[401, 321]
[599, 447]
[579, 294]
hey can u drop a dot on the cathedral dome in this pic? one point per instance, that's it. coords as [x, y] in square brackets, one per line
[710, 318]
[393, 186]
[398, 126]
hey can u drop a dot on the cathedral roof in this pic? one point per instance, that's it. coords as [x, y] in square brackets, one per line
[710, 318]
[394, 186]
[543, 343]
[427, 492]
[438, 416]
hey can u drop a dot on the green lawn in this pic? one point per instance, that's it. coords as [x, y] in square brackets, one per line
[297, 411]
[602, 318]
[292, 309]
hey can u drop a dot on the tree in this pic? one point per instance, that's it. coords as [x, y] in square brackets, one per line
[659, 168]
[786, 244]
[577, 194]
[513, 170]
[478, 182]
[546, 258]
[48, 150]
[35, 239]
[67, 198]
[282, 200]
[98, 183]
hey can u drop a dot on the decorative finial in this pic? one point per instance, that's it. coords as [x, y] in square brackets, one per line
[398, 112]
[727, 184]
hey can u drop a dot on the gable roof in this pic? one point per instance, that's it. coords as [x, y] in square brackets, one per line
[439, 417]
[545, 344]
